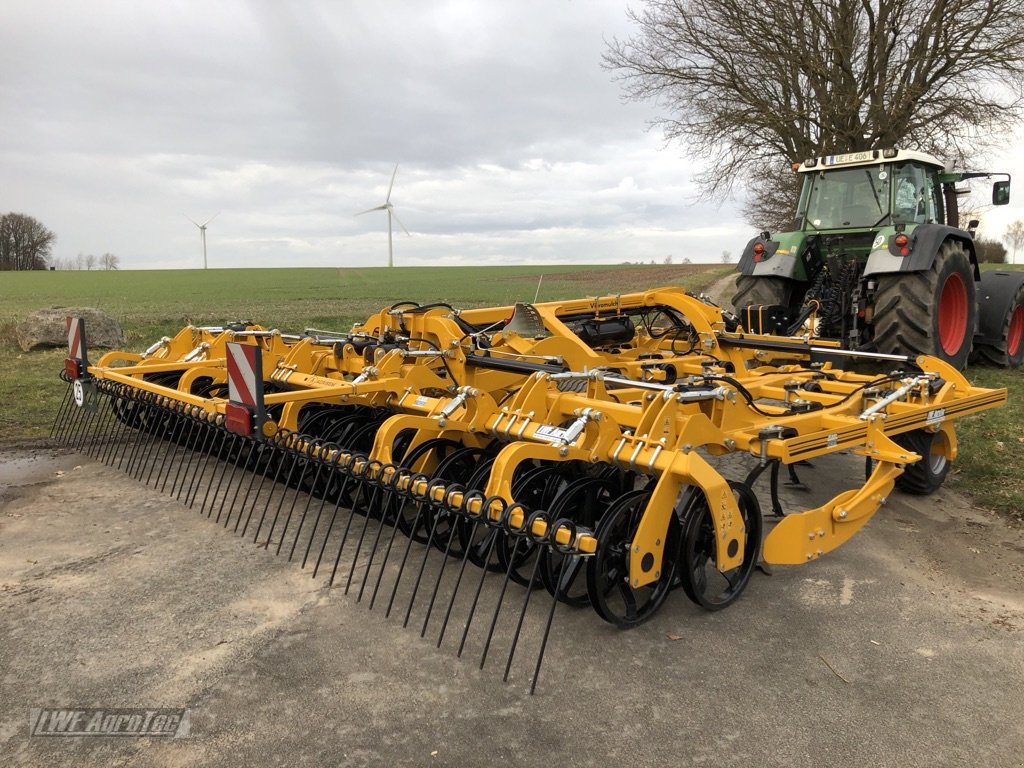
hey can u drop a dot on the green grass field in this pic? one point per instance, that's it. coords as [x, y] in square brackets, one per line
[150, 304]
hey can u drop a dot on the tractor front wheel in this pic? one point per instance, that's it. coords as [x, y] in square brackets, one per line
[933, 312]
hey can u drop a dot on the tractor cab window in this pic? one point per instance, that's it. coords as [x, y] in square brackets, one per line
[912, 199]
[845, 199]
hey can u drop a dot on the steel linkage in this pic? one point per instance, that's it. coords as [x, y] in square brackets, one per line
[572, 447]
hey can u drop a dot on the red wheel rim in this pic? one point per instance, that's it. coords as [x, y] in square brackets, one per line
[953, 314]
[1016, 333]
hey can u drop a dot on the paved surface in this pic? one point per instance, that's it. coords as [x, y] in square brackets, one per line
[903, 648]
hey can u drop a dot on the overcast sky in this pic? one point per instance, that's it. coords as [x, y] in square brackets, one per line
[118, 119]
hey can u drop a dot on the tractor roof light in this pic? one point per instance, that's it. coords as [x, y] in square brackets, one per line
[890, 153]
[810, 162]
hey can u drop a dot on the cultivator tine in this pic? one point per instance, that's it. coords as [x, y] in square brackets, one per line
[450, 513]
[471, 496]
[296, 460]
[311, 446]
[495, 533]
[183, 451]
[205, 452]
[538, 515]
[285, 457]
[346, 476]
[165, 461]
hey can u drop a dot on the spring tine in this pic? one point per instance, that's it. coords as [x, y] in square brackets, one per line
[370, 506]
[64, 416]
[206, 450]
[112, 425]
[389, 495]
[440, 573]
[348, 527]
[522, 615]
[70, 415]
[458, 582]
[61, 412]
[297, 459]
[479, 587]
[163, 463]
[320, 464]
[501, 598]
[337, 505]
[156, 435]
[387, 552]
[187, 454]
[250, 448]
[227, 448]
[423, 565]
[421, 505]
[99, 426]
[71, 436]
[117, 428]
[271, 464]
[261, 448]
[83, 427]
[149, 438]
[241, 458]
[134, 435]
[376, 543]
[285, 454]
[221, 448]
[567, 557]
[127, 433]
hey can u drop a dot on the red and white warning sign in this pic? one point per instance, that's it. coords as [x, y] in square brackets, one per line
[76, 338]
[244, 413]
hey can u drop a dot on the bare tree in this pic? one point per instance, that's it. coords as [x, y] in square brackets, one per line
[109, 261]
[24, 242]
[89, 260]
[755, 87]
[1014, 237]
[726, 257]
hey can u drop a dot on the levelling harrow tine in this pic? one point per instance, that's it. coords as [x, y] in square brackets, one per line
[421, 503]
[320, 465]
[353, 510]
[518, 539]
[470, 496]
[297, 460]
[332, 472]
[440, 513]
[244, 449]
[453, 515]
[387, 476]
[99, 430]
[271, 463]
[205, 451]
[349, 475]
[285, 456]
[171, 451]
[540, 541]
[567, 556]
[313, 448]
[58, 419]
[495, 533]
[187, 448]
[226, 447]
[402, 474]
[70, 434]
[372, 476]
[144, 442]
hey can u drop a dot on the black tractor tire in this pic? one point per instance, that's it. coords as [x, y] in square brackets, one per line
[934, 312]
[753, 290]
[925, 476]
[1011, 353]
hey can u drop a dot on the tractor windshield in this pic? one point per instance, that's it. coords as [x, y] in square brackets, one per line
[845, 199]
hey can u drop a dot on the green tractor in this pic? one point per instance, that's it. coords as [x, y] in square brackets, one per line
[877, 261]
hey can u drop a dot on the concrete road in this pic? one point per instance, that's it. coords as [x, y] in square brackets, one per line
[903, 648]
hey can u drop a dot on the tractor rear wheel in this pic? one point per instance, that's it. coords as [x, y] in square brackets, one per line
[933, 312]
[769, 291]
[1011, 354]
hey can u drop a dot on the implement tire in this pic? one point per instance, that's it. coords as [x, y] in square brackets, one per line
[924, 476]
[761, 290]
[933, 312]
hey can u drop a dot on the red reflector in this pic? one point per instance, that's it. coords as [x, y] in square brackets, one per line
[759, 248]
[238, 419]
[904, 251]
[73, 368]
[901, 240]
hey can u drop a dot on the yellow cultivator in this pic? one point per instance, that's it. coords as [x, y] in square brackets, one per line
[571, 446]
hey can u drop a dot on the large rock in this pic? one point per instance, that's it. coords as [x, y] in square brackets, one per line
[48, 328]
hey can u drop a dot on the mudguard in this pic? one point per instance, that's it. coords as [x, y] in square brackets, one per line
[925, 241]
[780, 258]
[995, 300]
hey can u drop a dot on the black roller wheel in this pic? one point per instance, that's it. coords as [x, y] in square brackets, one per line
[933, 312]
[924, 476]
[583, 501]
[611, 594]
[703, 583]
[536, 489]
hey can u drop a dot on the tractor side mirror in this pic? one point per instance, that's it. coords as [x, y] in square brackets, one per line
[1001, 193]
[972, 227]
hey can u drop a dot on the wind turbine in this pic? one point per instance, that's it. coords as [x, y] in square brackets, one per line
[391, 213]
[202, 232]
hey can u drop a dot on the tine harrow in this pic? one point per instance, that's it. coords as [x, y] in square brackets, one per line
[570, 448]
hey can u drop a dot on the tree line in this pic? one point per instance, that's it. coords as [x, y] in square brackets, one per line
[26, 244]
